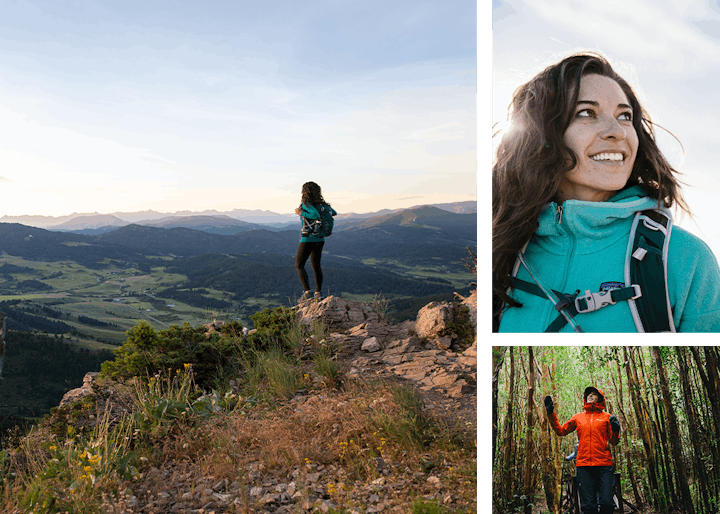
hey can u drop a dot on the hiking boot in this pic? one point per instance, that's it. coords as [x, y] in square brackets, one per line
[307, 295]
[318, 296]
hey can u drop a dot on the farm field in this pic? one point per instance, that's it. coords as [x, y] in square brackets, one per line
[442, 271]
[120, 297]
[94, 307]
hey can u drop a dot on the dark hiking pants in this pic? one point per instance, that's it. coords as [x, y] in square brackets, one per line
[596, 485]
[313, 250]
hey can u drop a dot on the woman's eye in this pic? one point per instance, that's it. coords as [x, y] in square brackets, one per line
[626, 116]
[585, 113]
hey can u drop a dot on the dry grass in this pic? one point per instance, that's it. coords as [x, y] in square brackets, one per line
[348, 428]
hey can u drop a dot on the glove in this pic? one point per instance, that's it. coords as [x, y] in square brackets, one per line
[550, 406]
[615, 424]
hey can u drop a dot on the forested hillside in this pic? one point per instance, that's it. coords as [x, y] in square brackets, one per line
[38, 369]
[246, 279]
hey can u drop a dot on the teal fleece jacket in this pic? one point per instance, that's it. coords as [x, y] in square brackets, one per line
[585, 247]
[310, 212]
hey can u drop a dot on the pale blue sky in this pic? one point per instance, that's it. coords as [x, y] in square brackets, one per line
[668, 50]
[110, 106]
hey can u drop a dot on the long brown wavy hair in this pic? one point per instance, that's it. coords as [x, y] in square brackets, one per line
[312, 194]
[532, 160]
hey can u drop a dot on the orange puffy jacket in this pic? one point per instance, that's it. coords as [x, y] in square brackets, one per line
[594, 431]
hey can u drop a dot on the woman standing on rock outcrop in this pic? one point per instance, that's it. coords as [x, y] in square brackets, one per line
[317, 223]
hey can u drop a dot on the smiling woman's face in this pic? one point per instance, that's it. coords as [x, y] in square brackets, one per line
[602, 136]
[592, 398]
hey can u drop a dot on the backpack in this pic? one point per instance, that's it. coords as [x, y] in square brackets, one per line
[322, 227]
[645, 287]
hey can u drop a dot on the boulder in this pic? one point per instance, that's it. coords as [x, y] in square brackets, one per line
[433, 319]
[338, 312]
[82, 391]
[370, 345]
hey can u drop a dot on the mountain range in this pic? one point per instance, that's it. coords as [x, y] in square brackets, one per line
[226, 223]
[419, 236]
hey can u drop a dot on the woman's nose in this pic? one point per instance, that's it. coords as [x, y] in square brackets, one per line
[613, 130]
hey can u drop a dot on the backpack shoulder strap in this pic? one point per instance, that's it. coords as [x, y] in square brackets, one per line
[646, 266]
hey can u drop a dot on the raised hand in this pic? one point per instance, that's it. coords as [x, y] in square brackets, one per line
[550, 406]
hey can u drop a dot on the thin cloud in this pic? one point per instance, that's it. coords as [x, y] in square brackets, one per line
[652, 33]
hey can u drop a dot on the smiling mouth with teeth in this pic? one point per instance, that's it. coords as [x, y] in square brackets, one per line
[614, 157]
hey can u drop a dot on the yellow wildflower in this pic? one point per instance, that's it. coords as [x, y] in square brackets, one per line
[53, 447]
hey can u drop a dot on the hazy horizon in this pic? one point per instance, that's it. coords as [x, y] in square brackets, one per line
[115, 213]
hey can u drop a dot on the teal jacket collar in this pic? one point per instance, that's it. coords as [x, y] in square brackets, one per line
[590, 226]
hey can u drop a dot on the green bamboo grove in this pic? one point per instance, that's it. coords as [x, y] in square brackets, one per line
[667, 400]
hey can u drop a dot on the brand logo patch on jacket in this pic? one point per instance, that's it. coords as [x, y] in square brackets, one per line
[609, 286]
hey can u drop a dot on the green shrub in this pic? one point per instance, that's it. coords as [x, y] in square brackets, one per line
[274, 323]
[276, 328]
[145, 353]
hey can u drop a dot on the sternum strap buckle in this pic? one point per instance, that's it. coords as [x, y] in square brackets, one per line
[590, 302]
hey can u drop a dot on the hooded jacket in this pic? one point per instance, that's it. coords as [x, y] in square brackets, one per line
[594, 432]
[582, 246]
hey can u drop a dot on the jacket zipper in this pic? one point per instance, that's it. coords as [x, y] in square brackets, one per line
[591, 432]
[559, 215]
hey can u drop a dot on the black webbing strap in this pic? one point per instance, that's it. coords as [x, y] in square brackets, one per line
[649, 272]
[567, 301]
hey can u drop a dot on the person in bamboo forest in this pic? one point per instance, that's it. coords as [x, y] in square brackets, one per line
[583, 235]
[596, 430]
